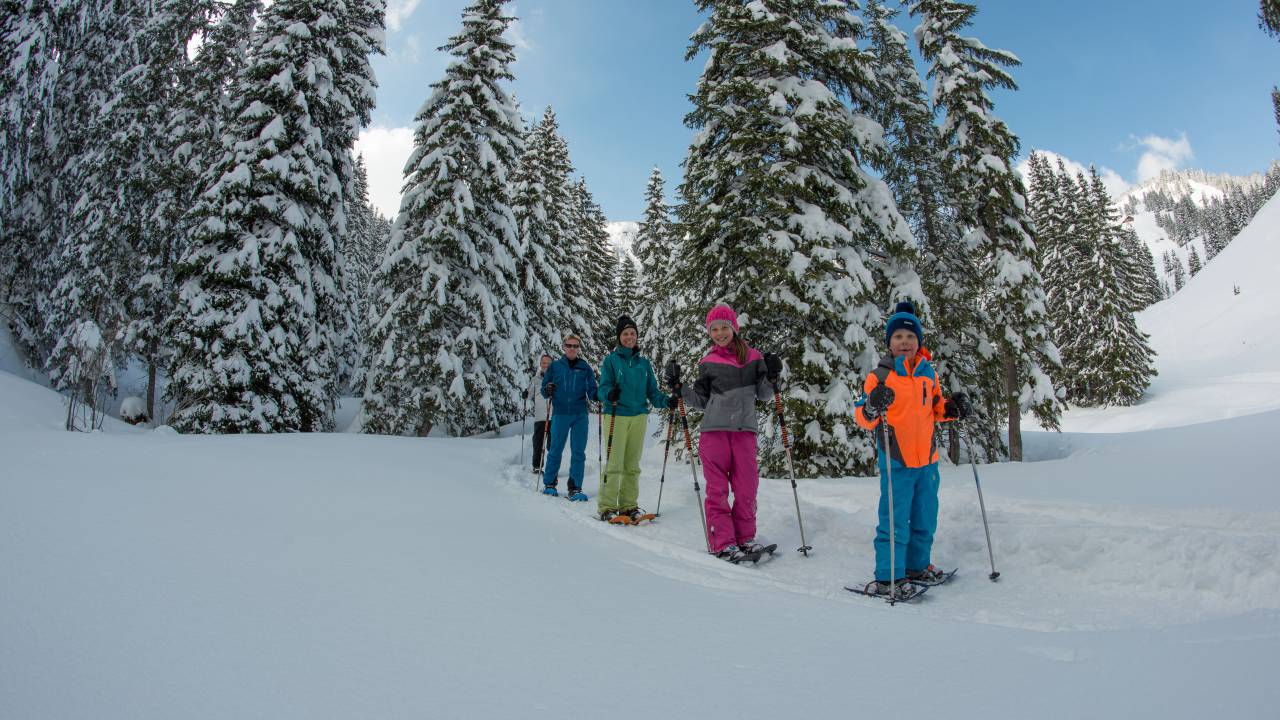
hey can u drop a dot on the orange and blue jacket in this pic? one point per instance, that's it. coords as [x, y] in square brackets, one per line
[917, 405]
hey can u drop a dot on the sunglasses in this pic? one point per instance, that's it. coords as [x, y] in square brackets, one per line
[572, 345]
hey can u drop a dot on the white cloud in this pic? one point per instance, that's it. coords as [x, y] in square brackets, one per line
[1116, 184]
[385, 151]
[1163, 154]
[515, 33]
[398, 11]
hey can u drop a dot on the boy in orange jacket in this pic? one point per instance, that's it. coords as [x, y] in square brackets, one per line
[903, 393]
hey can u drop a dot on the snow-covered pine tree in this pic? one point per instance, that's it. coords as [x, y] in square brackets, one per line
[626, 290]
[1141, 280]
[1056, 208]
[992, 206]
[780, 218]
[1269, 21]
[34, 37]
[1193, 261]
[914, 169]
[446, 350]
[197, 117]
[363, 247]
[549, 286]
[109, 176]
[121, 249]
[1109, 358]
[655, 247]
[595, 267]
[253, 351]
[1179, 273]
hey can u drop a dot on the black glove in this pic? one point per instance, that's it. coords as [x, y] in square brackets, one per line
[672, 376]
[773, 367]
[878, 401]
[673, 401]
[614, 393]
[550, 389]
[957, 407]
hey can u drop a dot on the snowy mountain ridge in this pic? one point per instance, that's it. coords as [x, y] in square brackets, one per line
[1202, 186]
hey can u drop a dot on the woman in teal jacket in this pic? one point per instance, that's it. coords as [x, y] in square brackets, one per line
[627, 387]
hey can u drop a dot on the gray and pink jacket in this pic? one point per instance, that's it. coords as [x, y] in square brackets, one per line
[727, 392]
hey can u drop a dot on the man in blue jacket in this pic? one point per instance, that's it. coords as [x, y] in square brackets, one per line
[568, 383]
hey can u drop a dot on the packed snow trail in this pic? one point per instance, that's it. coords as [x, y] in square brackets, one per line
[153, 575]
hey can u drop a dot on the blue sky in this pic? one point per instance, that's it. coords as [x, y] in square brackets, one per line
[1131, 85]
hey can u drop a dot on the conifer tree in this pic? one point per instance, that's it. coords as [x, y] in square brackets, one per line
[626, 287]
[594, 266]
[364, 245]
[1269, 21]
[780, 218]
[548, 280]
[655, 247]
[445, 351]
[1193, 261]
[255, 352]
[1179, 273]
[992, 207]
[111, 173]
[1057, 208]
[1141, 279]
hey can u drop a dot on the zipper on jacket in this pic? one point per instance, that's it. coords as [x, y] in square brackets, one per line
[924, 392]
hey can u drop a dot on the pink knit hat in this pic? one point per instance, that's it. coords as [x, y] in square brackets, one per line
[722, 313]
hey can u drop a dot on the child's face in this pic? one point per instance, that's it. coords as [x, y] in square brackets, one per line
[904, 343]
[721, 334]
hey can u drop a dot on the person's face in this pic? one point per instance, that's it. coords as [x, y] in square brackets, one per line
[545, 362]
[904, 343]
[628, 338]
[571, 348]
[721, 334]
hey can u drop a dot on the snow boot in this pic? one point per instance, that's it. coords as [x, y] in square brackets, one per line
[637, 515]
[575, 493]
[550, 490]
[903, 590]
[608, 515]
[929, 576]
[732, 553]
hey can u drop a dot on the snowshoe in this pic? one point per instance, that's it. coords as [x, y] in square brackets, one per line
[551, 490]
[930, 576]
[637, 515]
[608, 516]
[732, 553]
[754, 551]
[903, 590]
[577, 496]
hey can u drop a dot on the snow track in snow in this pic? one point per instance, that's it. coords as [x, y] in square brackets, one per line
[1065, 565]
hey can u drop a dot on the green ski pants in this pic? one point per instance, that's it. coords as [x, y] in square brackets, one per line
[620, 486]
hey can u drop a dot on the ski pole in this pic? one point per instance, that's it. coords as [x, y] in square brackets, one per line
[608, 453]
[666, 450]
[524, 416]
[983, 507]
[888, 480]
[697, 489]
[791, 469]
[546, 441]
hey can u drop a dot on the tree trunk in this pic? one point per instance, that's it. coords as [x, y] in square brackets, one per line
[151, 392]
[953, 444]
[1015, 409]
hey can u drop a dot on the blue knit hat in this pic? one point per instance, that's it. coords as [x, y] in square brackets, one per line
[904, 317]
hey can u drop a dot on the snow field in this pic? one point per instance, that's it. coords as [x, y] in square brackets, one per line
[1066, 565]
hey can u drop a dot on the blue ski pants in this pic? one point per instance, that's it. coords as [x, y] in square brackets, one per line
[574, 429]
[915, 510]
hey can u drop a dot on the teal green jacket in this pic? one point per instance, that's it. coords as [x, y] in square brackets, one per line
[626, 368]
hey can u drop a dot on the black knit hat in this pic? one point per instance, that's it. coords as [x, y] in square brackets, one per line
[624, 322]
